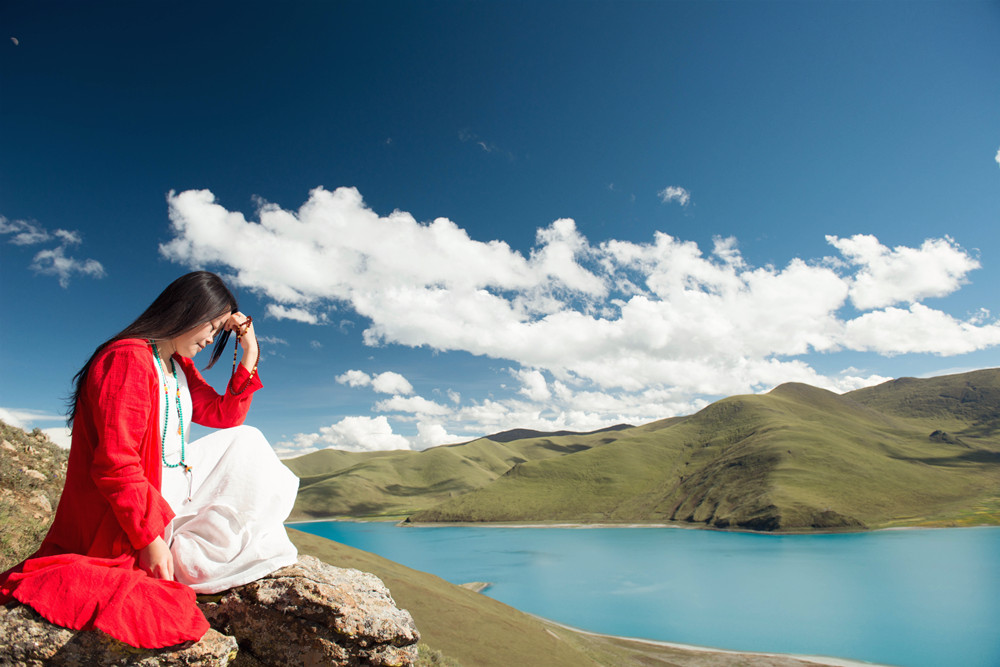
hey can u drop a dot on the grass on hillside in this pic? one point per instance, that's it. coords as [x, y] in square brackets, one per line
[799, 458]
[32, 474]
[393, 485]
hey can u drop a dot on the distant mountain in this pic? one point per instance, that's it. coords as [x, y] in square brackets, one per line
[907, 452]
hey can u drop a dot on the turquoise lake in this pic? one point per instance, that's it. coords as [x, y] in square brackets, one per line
[916, 598]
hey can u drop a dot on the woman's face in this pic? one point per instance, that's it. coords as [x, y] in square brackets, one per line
[193, 341]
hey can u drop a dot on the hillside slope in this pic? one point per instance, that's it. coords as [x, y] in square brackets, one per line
[397, 483]
[798, 458]
[32, 474]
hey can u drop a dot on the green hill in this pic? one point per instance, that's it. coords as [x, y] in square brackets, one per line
[397, 483]
[907, 452]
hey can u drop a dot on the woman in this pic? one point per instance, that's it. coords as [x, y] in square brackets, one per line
[147, 518]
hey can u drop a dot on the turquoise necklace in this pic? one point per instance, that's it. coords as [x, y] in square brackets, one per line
[166, 416]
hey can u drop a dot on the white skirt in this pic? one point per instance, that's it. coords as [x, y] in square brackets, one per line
[231, 531]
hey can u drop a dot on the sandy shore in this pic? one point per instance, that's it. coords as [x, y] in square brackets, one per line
[745, 657]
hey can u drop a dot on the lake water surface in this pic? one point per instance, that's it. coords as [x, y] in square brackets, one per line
[918, 598]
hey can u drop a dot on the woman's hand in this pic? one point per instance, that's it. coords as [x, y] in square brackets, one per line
[242, 326]
[155, 558]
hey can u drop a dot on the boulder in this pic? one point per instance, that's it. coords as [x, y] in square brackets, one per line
[28, 639]
[310, 613]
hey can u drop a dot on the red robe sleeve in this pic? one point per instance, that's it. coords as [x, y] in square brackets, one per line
[219, 410]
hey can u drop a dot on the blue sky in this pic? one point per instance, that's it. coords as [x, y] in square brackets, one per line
[454, 218]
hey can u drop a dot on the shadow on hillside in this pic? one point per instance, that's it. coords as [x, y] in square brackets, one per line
[444, 486]
[973, 457]
[566, 449]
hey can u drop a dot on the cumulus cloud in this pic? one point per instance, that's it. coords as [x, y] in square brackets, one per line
[533, 383]
[595, 334]
[917, 329]
[432, 435]
[355, 378]
[355, 434]
[416, 405]
[391, 383]
[675, 193]
[51, 261]
[997, 158]
[383, 383]
[900, 275]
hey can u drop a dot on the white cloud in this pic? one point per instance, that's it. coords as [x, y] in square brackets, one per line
[24, 232]
[272, 340]
[675, 193]
[62, 436]
[51, 261]
[391, 383]
[54, 262]
[901, 275]
[533, 384]
[432, 435]
[417, 405]
[356, 434]
[997, 158]
[919, 329]
[383, 383]
[355, 378]
[25, 420]
[618, 331]
[298, 314]
[69, 237]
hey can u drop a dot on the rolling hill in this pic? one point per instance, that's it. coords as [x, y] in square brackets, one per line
[394, 484]
[907, 452]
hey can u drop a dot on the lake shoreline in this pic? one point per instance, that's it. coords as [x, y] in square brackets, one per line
[404, 523]
[828, 661]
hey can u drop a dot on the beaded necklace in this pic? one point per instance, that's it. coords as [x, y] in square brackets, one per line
[166, 417]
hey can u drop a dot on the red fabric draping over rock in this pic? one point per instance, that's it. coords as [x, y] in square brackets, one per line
[86, 575]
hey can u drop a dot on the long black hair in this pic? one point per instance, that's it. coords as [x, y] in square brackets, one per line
[191, 300]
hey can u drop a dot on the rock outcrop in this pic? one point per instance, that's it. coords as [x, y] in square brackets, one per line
[28, 639]
[310, 613]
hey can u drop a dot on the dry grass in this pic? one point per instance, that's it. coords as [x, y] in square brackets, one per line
[32, 474]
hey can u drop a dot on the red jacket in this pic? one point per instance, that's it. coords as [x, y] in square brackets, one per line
[85, 575]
